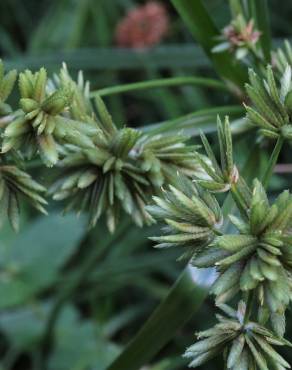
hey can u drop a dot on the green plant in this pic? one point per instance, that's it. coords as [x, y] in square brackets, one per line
[248, 262]
[217, 213]
[252, 264]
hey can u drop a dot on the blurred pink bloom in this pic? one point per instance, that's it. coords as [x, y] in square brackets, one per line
[246, 35]
[143, 26]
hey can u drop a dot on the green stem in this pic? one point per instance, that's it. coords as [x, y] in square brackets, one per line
[260, 13]
[272, 162]
[250, 300]
[239, 201]
[163, 82]
[235, 8]
[250, 167]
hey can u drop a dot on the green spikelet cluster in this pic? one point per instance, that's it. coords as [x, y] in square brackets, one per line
[104, 169]
[271, 108]
[192, 216]
[15, 184]
[246, 345]
[253, 264]
[80, 108]
[104, 180]
[117, 174]
[41, 122]
[7, 82]
[220, 177]
[259, 257]
[283, 57]
[163, 156]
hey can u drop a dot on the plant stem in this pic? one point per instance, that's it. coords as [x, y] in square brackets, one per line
[163, 82]
[260, 14]
[239, 201]
[272, 162]
[250, 299]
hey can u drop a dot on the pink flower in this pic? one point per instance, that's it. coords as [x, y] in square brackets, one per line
[143, 26]
[238, 37]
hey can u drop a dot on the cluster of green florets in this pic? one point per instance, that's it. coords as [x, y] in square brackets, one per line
[103, 169]
[254, 263]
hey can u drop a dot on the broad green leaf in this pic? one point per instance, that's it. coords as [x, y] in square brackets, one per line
[35, 256]
[23, 327]
[79, 344]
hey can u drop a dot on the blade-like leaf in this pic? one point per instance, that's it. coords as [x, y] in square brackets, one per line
[173, 56]
[260, 14]
[165, 82]
[204, 120]
[184, 299]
